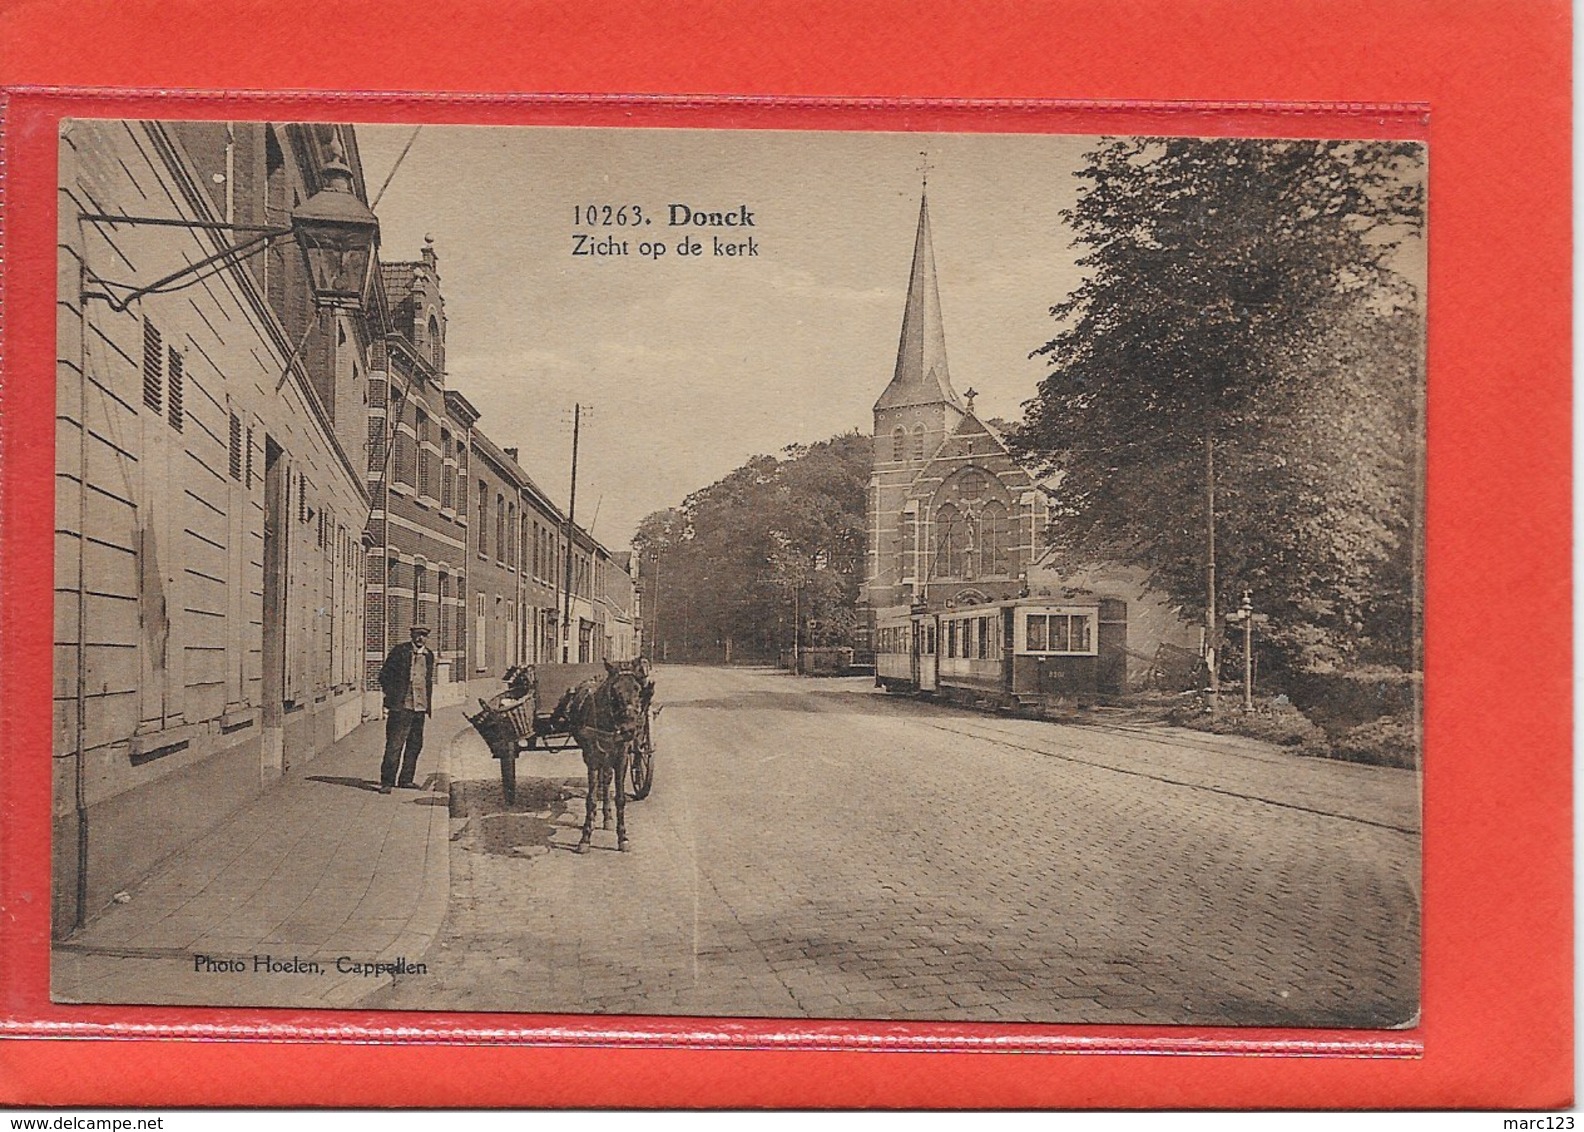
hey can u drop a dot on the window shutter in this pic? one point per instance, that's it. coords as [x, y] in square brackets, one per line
[235, 447]
[173, 399]
[152, 376]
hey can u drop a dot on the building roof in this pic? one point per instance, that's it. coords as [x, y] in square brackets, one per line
[398, 278]
[921, 377]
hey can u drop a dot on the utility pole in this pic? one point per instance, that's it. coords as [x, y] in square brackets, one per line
[1211, 659]
[654, 613]
[797, 630]
[566, 615]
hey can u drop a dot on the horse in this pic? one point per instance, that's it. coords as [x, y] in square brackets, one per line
[604, 717]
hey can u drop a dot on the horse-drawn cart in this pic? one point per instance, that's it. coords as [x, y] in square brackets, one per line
[511, 722]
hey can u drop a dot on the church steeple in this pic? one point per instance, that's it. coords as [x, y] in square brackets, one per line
[921, 377]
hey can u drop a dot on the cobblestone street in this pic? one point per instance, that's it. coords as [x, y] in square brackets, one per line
[814, 848]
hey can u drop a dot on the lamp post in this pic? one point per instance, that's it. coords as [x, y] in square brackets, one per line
[1244, 615]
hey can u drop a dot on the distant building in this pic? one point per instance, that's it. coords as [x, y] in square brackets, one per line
[954, 518]
[461, 538]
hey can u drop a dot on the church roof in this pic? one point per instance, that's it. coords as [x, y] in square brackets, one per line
[921, 377]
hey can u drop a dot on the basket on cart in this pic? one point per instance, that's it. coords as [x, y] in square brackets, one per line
[505, 731]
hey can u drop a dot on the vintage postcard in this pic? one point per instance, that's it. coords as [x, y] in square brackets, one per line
[967, 578]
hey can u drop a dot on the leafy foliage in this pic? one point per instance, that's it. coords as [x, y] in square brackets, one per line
[1241, 296]
[779, 541]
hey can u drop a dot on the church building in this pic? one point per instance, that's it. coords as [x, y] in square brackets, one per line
[954, 519]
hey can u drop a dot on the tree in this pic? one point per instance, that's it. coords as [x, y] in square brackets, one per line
[1239, 370]
[749, 564]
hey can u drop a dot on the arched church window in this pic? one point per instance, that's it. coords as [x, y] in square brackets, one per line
[949, 542]
[899, 443]
[434, 341]
[918, 442]
[993, 539]
[972, 486]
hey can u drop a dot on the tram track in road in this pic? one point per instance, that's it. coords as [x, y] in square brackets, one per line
[1004, 740]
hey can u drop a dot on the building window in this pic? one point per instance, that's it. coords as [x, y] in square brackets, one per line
[500, 528]
[420, 584]
[153, 375]
[511, 535]
[918, 442]
[899, 443]
[234, 448]
[906, 544]
[447, 472]
[483, 519]
[480, 636]
[174, 390]
[422, 445]
[405, 471]
[949, 540]
[993, 540]
[443, 611]
[1070, 634]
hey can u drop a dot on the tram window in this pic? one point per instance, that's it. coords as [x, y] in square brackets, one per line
[984, 636]
[932, 640]
[1059, 633]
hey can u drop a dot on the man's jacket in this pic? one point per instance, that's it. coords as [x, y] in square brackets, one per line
[396, 676]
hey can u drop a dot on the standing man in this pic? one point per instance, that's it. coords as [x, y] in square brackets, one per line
[407, 679]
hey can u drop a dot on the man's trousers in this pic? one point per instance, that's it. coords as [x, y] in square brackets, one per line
[403, 741]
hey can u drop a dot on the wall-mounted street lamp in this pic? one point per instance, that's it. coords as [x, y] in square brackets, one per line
[336, 231]
[338, 234]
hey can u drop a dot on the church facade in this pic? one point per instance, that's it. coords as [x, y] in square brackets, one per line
[954, 519]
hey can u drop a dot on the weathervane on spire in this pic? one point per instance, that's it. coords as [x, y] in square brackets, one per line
[924, 168]
[968, 395]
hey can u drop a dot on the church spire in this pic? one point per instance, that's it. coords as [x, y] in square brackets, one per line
[921, 377]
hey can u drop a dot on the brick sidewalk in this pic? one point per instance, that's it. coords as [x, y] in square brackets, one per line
[320, 870]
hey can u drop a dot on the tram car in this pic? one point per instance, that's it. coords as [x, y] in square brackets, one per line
[1023, 654]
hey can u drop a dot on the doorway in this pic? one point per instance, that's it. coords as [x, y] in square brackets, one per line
[277, 487]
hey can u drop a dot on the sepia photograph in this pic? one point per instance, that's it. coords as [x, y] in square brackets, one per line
[912, 577]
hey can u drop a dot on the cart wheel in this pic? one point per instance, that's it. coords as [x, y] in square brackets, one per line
[642, 770]
[508, 768]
